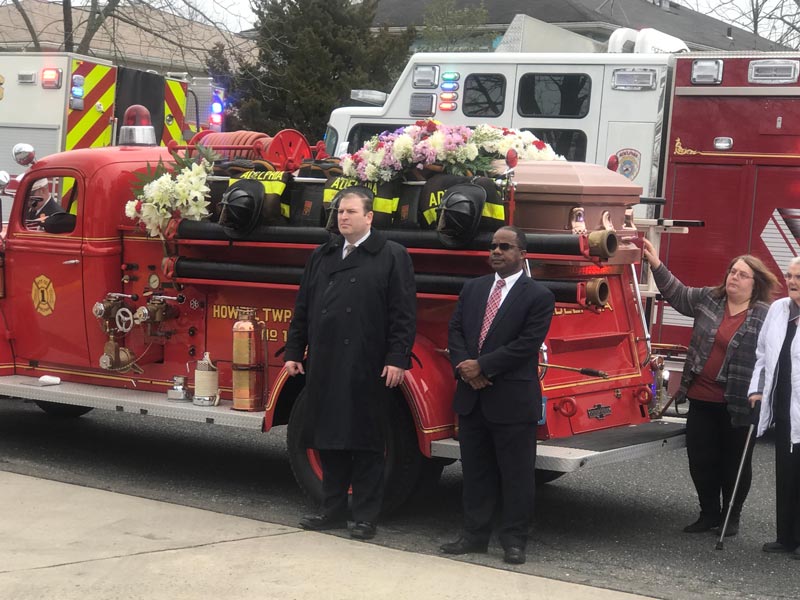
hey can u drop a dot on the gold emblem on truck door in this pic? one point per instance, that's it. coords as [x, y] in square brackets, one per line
[44, 295]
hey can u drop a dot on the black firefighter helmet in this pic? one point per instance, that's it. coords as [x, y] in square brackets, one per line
[242, 204]
[460, 214]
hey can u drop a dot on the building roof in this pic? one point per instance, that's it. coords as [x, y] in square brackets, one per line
[593, 17]
[170, 43]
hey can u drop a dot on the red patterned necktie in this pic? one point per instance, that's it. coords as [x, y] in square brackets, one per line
[491, 310]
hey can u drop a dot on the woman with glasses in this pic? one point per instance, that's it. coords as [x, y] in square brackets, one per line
[776, 383]
[716, 377]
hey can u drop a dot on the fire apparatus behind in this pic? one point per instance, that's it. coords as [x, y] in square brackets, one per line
[65, 101]
[713, 134]
[117, 320]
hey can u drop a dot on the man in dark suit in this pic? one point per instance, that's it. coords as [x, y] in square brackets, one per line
[356, 314]
[495, 334]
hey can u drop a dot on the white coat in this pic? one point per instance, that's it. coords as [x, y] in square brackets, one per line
[770, 342]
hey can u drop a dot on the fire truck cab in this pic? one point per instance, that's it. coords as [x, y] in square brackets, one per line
[588, 107]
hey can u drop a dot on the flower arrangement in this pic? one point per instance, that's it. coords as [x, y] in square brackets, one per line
[177, 190]
[459, 150]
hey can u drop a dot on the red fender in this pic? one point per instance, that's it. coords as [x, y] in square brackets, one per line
[6, 351]
[428, 389]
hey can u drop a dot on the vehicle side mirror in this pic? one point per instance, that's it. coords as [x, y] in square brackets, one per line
[24, 154]
[4, 179]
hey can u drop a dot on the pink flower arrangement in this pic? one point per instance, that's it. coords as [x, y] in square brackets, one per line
[457, 149]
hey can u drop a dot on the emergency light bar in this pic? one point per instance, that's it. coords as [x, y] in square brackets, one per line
[707, 71]
[633, 80]
[425, 77]
[373, 97]
[773, 71]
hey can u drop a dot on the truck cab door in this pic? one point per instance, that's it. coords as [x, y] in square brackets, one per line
[44, 268]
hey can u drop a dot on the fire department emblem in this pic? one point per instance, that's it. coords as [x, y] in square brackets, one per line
[629, 162]
[44, 295]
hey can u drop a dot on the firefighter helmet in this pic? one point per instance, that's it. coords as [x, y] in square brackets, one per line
[460, 214]
[242, 204]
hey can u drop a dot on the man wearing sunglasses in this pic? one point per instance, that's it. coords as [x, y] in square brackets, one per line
[499, 325]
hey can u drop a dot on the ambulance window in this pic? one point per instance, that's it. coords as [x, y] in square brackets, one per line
[569, 143]
[554, 95]
[52, 205]
[364, 131]
[331, 140]
[484, 95]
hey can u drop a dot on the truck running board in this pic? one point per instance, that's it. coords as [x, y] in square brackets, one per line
[595, 448]
[127, 401]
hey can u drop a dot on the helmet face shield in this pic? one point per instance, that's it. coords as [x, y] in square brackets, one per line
[460, 214]
[242, 205]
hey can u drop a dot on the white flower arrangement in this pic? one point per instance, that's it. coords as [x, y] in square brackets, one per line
[459, 150]
[165, 194]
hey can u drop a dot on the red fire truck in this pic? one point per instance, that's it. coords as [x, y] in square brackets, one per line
[94, 313]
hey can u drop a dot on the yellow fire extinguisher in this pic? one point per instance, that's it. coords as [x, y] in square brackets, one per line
[249, 362]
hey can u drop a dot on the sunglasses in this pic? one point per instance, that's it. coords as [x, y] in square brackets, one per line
[504, 246]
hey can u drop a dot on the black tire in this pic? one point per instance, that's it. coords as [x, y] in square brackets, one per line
[63, 411]
[403, 458]
[544, 476]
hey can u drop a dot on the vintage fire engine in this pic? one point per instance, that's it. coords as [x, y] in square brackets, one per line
[97, 314]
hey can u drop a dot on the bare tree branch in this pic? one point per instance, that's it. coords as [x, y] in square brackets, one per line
[29, 25]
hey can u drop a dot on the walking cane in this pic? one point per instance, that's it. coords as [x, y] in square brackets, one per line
[753, 420]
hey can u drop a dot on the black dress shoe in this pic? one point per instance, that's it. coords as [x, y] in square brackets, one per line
[322, 522]
[514, 555]
[363, 530]
[775, 547]
[704, 523]
[464, 546]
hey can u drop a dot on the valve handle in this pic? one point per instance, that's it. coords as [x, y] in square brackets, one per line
[124, 319]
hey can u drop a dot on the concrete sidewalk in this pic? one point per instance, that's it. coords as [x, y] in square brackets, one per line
[66, 542]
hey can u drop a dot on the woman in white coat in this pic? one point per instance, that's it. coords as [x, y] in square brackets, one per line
[776, 382]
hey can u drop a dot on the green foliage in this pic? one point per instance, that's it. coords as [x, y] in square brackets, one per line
[448, 28]
[311, 54]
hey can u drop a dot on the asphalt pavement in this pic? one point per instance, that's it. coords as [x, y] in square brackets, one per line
[64, 541]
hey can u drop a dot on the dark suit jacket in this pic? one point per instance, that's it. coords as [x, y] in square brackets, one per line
[510, 353]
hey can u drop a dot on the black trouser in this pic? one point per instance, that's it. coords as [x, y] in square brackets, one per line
[715, 451]
[363, 469]
[497, 460]
[787, 486]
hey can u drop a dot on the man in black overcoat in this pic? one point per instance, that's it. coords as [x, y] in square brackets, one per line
[356, 314]
[495, 334]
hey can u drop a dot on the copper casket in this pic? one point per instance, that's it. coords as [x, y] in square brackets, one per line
[564, 197]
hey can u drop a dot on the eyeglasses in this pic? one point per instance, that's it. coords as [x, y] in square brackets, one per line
[504, 246]
[739, 274]
[791, 277]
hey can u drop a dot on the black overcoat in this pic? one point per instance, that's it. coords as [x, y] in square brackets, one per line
[355, 315]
